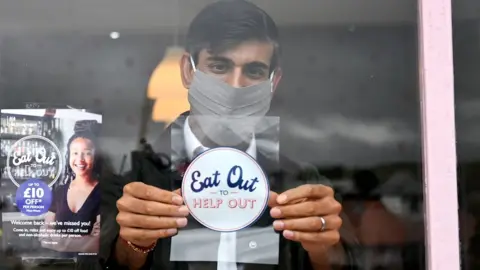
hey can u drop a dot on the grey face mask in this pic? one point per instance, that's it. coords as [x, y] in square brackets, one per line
[227, 115]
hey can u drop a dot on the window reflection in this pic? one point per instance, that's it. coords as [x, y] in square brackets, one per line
[348, 101]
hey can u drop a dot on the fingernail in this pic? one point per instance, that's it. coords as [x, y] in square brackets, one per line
[183, 210]
[275, 212]
[288, 234]
[278, 225]
[182, 222]
[177, 200]
[282, 199]
[171, 231]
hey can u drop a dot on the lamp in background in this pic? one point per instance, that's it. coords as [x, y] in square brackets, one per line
[166, 88]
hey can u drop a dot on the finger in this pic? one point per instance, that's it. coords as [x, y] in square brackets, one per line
[272, 199]
[150, 193]
[142, 236]
[324, 207]
[309, 224]
[328, 238]
[178, 192]
[149, 222]
[150, 208]
[305, 191]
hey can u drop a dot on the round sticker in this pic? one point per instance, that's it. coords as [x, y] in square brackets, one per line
[34, 157]
[225, 189]
[33, 197]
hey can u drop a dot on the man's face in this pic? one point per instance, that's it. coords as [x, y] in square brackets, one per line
[245, 65]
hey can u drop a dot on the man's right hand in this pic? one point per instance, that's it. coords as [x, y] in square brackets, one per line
[147, 213]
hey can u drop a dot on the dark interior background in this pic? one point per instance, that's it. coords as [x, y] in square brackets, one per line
[349, 97]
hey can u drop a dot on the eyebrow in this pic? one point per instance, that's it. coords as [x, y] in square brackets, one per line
[228, 60]
[88, 148]
[257, 64]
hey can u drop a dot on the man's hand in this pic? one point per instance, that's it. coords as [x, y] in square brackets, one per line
[299, 211]
[147, 213]
[96, 227]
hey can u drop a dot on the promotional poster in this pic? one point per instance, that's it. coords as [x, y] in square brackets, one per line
[49, 182]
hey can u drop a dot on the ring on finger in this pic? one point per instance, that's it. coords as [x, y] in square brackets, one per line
[324, 224]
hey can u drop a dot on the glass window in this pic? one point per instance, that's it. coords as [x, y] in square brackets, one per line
[466, 63]
[323, 96]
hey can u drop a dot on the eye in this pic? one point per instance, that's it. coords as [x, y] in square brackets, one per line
[256, 73]
[218, 68]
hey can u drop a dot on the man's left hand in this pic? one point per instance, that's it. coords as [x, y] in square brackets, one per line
[299, 212]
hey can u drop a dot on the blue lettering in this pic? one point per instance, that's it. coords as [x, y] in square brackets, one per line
[196, 174]
[238, 181]
[199, 185]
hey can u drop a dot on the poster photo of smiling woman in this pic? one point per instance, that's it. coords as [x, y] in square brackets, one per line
[49, 183]
[74, 214]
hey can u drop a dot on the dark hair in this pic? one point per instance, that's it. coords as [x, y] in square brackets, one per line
[97, 163]
[91, 126]
[226, 24]
[365, 181]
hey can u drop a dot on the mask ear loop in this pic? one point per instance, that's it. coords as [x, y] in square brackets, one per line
[272, 75]
[193, 64]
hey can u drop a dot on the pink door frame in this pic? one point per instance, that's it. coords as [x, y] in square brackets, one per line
[438, 132]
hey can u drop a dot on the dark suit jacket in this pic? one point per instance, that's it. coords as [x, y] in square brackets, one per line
[157, 172]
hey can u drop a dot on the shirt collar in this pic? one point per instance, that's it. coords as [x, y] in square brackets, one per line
[192, 143]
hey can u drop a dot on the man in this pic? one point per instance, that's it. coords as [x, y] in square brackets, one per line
[231, 68]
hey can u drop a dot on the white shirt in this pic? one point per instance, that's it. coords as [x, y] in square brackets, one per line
[228, 241]
[192, 143]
